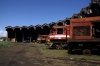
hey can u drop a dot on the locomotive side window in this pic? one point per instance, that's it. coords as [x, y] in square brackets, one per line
[82, 31]
[60, 31]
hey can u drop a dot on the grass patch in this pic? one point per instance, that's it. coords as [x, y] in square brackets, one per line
[63, 53]
[5, 44]
[52, 52]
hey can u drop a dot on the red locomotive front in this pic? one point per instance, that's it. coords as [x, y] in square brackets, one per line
[58, 35]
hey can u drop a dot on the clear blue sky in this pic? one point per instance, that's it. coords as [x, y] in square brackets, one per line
[33, 12]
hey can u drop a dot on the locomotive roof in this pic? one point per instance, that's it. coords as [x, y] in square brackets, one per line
[88, 19]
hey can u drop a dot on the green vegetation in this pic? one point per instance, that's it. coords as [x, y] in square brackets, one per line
[63, 53]
[54, 53]
[5, 44]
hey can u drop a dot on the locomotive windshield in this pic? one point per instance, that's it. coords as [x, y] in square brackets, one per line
[59, 30]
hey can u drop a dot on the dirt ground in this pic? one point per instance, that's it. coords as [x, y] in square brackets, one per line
[31, 55]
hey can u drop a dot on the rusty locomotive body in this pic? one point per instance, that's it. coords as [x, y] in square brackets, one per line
[82, 33]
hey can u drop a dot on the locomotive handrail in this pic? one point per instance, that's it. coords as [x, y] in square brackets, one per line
[59, 26]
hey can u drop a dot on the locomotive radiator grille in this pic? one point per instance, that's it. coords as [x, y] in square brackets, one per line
[81, 31]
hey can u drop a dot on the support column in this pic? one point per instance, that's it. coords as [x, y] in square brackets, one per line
[45, 31]
[38, 33]
[30, 36]
[15, 35]
[6, 35]
[23, 36]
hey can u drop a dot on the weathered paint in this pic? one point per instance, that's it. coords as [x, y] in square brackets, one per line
[78, 25]
[82, 22]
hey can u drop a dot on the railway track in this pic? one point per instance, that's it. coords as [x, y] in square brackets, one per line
[77, 59]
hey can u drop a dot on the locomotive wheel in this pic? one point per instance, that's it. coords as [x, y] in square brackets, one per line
[59, 47]
[85, 51]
